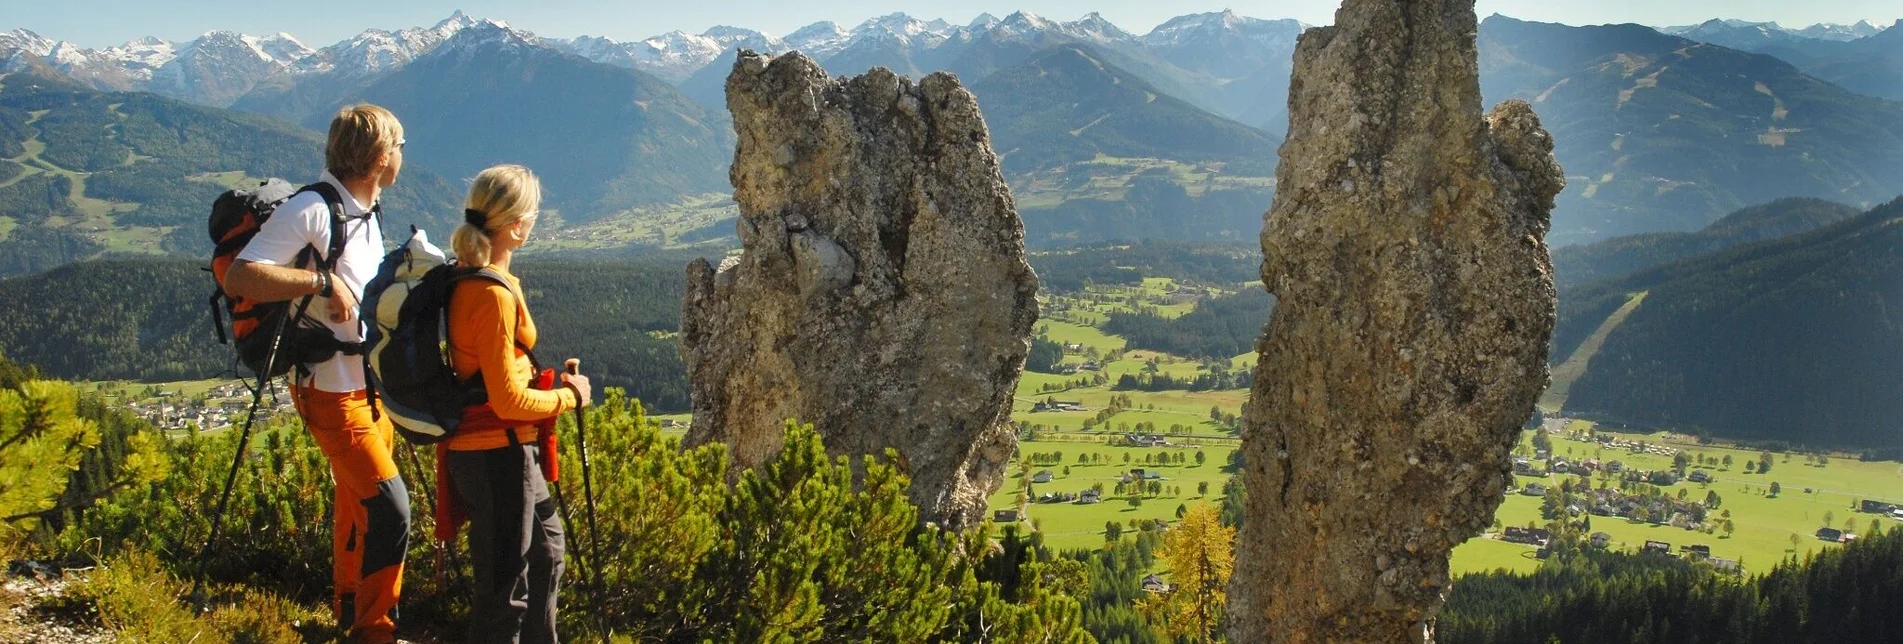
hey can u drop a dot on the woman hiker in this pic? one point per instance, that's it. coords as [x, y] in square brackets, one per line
[497, 461]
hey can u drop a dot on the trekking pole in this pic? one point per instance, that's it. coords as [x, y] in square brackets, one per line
[568, 525]
[573, 366]
[429, 494]
[237, 459]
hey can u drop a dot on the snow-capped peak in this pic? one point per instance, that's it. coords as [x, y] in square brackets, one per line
[982, 22]
[481, 34]
[818, 39]
[26, 41]
[376, 51]
[1200, 26]
[1841, 33]
[1022, 21]
[68, 55]
[280, 47]
[1095, 27]
[456, 21]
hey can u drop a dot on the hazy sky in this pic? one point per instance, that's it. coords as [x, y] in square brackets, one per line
[98, 23]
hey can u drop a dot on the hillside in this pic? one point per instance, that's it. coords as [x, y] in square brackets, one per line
[84, 173]
[1095, 153]
[1575, 266]
[145, 319]
[1795, 339]
[604, 139]
[1661, 133]
[1068, 105]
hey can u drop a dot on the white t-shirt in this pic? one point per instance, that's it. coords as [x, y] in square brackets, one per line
[304, 220]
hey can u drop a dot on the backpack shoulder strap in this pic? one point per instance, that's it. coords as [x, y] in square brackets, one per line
[496, 276]
[339, 233]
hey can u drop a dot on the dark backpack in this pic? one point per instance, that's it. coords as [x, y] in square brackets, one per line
[406, 306]
[262, 331]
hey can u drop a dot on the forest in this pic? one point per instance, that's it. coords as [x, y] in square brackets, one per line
[1219, 329]
[1579, 595]
[1127, 263]
[1791, 339]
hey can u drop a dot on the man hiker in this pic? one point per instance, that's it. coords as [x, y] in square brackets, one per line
[363, 156]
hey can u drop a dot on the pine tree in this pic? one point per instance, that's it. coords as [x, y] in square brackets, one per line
[1199, 557]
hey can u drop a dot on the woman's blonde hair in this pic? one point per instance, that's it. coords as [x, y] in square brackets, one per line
[499, 197]
[359, 135]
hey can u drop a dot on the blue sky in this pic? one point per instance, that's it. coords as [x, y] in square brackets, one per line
[97, 23]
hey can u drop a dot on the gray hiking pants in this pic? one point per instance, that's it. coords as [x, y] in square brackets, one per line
[515, 541]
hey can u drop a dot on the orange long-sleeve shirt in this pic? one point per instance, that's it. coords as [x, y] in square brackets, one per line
[486, 324]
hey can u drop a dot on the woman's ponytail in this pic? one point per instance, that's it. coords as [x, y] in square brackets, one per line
[498, 197]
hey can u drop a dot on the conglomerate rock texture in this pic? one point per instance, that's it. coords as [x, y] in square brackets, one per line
[883, 293]
[1414, 302]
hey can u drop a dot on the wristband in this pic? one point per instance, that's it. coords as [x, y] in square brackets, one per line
[326, 289]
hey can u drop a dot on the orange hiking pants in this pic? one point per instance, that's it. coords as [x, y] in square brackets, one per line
[372, 509]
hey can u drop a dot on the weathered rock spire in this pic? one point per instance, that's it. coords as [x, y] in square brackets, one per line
[1414, 302]
[883, 294]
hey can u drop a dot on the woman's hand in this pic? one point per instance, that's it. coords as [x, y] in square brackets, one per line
[584, 393]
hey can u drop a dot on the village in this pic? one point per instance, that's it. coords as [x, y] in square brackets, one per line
[1566, 478]
[217, 407]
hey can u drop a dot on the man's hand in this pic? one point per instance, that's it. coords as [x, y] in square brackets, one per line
[343, 302]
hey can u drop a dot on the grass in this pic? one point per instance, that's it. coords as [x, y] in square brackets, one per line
[136, 599]
[227, 180]
[1089, 336]
[1764, 523]
[1554, 399]
[1068, 525]
[1489, 555]
[133, 239]
[7, 225]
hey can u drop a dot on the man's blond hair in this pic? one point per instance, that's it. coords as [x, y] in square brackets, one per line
[359, 135]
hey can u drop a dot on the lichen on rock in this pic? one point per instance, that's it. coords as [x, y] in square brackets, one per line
[883, 292]
[1414, 303]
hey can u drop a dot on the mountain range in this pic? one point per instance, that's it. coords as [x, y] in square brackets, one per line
[1662, 133]
[1105, 134]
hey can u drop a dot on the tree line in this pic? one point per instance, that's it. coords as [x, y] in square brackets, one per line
[1218, 329]
[1845, 594]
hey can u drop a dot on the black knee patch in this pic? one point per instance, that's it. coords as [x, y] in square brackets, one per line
[388, 535]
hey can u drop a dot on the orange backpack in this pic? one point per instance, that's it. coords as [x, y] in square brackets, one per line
[271, 337]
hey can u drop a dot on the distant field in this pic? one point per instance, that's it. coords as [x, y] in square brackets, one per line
[675, 225]
[1764, 524]
[1068, 525]
[1089, 336]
